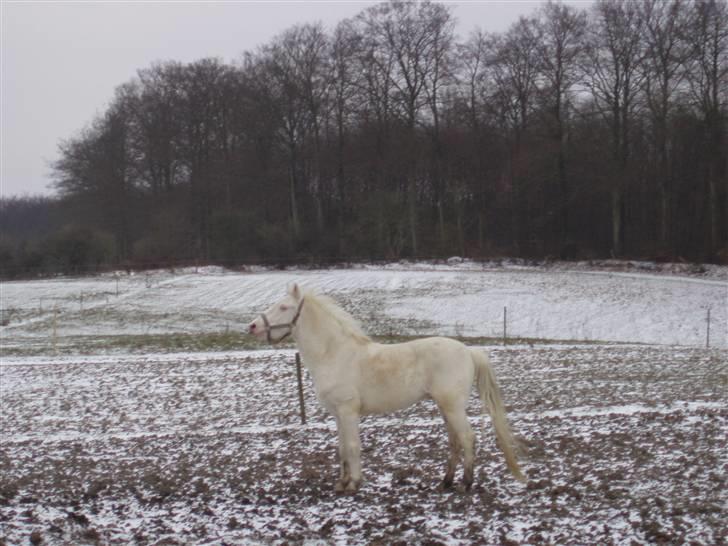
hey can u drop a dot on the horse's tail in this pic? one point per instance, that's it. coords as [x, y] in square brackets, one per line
[490, 396]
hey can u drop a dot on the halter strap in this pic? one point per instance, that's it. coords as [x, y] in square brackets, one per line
[270, 327]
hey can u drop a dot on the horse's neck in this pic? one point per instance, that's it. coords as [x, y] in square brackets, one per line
[317, 336]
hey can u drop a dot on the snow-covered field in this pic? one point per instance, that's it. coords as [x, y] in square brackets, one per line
[465, 299]
[627, 447]
[111, 446]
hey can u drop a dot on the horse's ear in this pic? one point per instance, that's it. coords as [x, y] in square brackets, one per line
[295, 291]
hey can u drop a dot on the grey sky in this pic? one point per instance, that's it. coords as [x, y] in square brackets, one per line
[61, 61]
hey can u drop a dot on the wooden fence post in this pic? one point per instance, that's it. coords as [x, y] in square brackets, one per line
[55, 330]
[707, 333]
[300, 389]
[505, 315]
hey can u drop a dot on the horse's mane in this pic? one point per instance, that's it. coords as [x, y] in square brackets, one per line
[346, 322]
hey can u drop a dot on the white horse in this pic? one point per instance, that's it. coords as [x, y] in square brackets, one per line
[355, 376]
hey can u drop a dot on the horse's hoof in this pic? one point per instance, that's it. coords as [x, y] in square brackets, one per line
[352, 487]
[340, 486]
[447, 483]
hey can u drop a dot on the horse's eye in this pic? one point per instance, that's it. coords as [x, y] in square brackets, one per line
[284, 307]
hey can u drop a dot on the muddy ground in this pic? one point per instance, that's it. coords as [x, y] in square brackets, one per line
[627, 447]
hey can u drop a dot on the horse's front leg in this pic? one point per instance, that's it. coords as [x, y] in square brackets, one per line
[349, 452]
[344, 474]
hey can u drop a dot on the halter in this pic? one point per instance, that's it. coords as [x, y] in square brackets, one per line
[270, 327]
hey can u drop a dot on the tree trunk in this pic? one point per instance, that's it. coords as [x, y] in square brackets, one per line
[295, 226]
[515, 196]
[617, 234]
[461, 234]
[481, 232]
[412, 198]
[441, 223]
[665, 244]
[564, 194]
[340, 210]
[293, 202]
[713, 213]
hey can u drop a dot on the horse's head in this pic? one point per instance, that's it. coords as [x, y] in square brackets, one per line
[278, 321]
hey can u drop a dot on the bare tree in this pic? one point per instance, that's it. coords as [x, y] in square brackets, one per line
[312, 58]
[561, 51]
[159, 135]
[439, 77]
[298, 76]
[665, 55]
[201, 119]
[707, 33]
[97, 168]
[514, 70]
[412, 41]
[282, 82]
[477, 87]
[614, 77]
[345, 84]
[375, 106]
[474, 55]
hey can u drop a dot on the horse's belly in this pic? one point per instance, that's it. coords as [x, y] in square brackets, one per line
[389, 398]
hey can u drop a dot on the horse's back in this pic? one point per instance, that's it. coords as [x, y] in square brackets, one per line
[398, 375]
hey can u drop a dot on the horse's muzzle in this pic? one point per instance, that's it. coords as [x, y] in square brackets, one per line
[255, 330]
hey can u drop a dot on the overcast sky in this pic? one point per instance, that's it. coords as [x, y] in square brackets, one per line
[61, 61]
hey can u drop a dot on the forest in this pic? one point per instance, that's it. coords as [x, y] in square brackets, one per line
[577, 133]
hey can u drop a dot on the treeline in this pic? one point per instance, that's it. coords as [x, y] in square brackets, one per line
[575, 133]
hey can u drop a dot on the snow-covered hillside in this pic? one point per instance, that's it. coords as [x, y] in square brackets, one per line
[465, 299]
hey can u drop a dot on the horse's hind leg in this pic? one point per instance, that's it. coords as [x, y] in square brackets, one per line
[457, 421]
[343, 466]
[453, 457]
